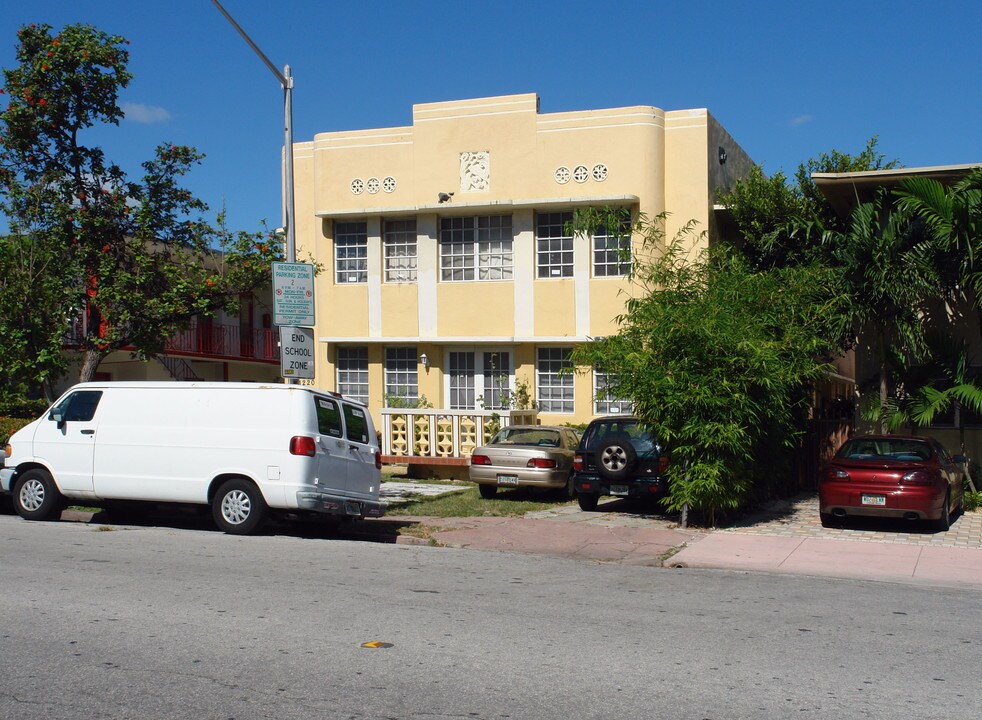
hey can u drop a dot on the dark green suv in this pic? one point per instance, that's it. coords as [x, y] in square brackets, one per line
[618, 455]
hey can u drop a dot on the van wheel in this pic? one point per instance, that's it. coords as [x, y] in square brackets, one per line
[36, 496]
[238, 507]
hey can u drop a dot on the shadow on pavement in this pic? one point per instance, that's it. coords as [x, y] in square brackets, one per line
[198, 517]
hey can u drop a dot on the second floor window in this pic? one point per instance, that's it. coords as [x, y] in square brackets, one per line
[553, 245]
[476, 248]
[612, 251]
[399, 247]
[351, 252]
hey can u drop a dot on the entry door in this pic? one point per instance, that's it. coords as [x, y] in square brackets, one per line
[479, 380]
[68, 447]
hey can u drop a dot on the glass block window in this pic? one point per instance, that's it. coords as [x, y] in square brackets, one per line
[553, 246]
[461, 370]
[351, 252]
[401, 376]
[612, 251]
[399, 249]
[476, 248]
[497, 380]
[604, 403]
[553, 388]
[352, 370]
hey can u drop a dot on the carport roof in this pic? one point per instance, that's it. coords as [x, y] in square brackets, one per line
[845, 190]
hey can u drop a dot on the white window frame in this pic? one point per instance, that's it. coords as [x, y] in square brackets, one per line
[399, 250]
[612, 253]
[555, 392]
[554, 249]
[352, 373]
[350, 252]
[401, 374]
[479, 384]
[608, 406]
[477, 248]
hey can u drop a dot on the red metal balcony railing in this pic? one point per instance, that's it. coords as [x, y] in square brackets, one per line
[212, 340]
[226, 341]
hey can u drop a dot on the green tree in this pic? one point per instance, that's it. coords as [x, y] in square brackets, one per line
[890, 267]
[717, 358]
[770, 211]
[33, 300]
[135, 256]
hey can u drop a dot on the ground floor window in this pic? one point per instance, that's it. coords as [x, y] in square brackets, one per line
[604, 401]
[401, 377]
[352, 370]
[553, 379]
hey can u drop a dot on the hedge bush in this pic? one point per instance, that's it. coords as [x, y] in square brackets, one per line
[9, 425]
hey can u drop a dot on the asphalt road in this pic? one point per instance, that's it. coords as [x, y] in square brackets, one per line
[147, 622]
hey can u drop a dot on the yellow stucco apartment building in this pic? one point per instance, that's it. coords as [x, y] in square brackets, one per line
[447, 271]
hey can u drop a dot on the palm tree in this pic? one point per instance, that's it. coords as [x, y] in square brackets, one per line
[891, 272]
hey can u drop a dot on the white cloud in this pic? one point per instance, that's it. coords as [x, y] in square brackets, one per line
[802, 120]
[146, 114]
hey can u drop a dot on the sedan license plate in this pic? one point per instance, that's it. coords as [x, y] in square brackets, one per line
[873, 499]
[508, 479]
[618, 490]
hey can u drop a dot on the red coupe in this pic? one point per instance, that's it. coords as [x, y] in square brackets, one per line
[892, 476]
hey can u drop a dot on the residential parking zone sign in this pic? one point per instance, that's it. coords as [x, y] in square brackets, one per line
[293, 294]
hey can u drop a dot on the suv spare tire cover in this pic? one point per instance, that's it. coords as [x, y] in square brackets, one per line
[616, 457]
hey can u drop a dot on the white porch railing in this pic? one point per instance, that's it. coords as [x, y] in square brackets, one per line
[434, 433]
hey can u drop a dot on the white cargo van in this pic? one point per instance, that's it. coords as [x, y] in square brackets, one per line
[242, 448]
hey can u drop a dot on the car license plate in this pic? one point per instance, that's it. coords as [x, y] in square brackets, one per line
[873, 499]
[508, 479]
[352, 508]
[618, 490]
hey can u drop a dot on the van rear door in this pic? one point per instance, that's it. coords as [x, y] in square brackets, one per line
[363, 476]
[332, 447]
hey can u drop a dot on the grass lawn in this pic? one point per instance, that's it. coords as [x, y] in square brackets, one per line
[468, 503]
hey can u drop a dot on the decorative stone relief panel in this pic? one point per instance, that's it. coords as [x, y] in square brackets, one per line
[475, 171]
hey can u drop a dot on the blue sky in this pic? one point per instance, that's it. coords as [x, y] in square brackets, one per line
[788, 80]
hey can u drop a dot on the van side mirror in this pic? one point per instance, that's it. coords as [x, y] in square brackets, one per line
[58, 415]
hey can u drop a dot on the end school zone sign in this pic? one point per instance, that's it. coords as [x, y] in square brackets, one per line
[297, 352]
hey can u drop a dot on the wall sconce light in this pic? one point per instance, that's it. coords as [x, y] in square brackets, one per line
[444, 197]
[424, 360]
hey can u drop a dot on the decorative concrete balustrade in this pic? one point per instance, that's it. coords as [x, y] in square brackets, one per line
[442, 437]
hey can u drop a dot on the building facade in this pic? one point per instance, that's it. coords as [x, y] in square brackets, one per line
[449, 278]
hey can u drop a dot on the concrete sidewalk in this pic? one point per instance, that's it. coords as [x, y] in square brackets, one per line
[833, 558]
[785, 538]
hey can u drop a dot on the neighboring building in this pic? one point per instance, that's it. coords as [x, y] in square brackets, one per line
[844, 192]
[448, 274]
[227, 347]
